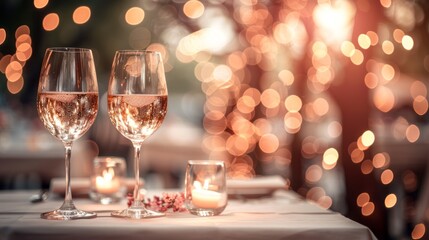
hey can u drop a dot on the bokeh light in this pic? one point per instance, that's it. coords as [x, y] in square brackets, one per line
[398, 34]
[368, 138]
[51, 21]
[371, 80]
[292, 122]
[134, 16]
[387, 176]
[387, 72]
[193, 9]
[81, 14]
[384, 99]
[330, 157]
[270, 98]
[357, 155]
[390, 200]
[367, 167]
[388, 47]
[364, 41]
[357, 57]
[325, 202]
[386, 3]
[321, 106]
[362, 199]
[407, 42]
[2, 35]
[418, 88]
[412, 133]
[374, 37]
[420, 105]
[419, 231]
[347, 48]
[313, 174]
[15, 87]
[40, 3]
[269, 143]
[368, 209]
[379, 160]
[293, 103]
[13, 71]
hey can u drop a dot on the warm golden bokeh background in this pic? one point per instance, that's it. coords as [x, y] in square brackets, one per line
[331, 95]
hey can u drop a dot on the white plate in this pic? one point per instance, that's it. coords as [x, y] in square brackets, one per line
[255, 187]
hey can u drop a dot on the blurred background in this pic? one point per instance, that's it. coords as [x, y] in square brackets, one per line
[331, 95]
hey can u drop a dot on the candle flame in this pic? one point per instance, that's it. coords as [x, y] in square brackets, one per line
[205, 185]
[197, 185]
[107, 176]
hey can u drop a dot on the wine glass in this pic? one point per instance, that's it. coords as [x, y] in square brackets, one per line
[67, 103]
[137, 105]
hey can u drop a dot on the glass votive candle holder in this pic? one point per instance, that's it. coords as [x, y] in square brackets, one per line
[107, 180]
[205, 187]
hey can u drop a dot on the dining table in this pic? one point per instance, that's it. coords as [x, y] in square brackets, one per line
[282, 214]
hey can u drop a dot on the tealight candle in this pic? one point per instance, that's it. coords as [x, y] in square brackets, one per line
[205, 192]
[202, 198]
[107, 180]
[107, 183]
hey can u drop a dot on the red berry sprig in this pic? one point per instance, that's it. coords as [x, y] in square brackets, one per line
[173, 201]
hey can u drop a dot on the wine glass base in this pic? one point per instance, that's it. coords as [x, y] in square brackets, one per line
[67, 214]
[137, 213]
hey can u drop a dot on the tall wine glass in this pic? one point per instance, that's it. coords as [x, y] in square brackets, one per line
[137, 103]
[67, 103]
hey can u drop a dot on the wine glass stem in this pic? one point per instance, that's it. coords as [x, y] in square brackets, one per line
[68, 202]
[136, 194]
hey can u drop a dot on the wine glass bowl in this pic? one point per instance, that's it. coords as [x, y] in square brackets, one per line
[67, 116]
[67, 104]
[137, 106]
[137, 116]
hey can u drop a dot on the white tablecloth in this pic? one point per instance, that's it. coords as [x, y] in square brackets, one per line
[282, 216]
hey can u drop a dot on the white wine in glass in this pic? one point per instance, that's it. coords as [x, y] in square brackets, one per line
[67, 103]
[137, 104]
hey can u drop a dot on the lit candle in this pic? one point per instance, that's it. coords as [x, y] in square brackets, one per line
[202, 197]
[107, 184]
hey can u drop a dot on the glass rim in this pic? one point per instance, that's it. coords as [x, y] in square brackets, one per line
[68, 49]
[206, 162]
[130, 51]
